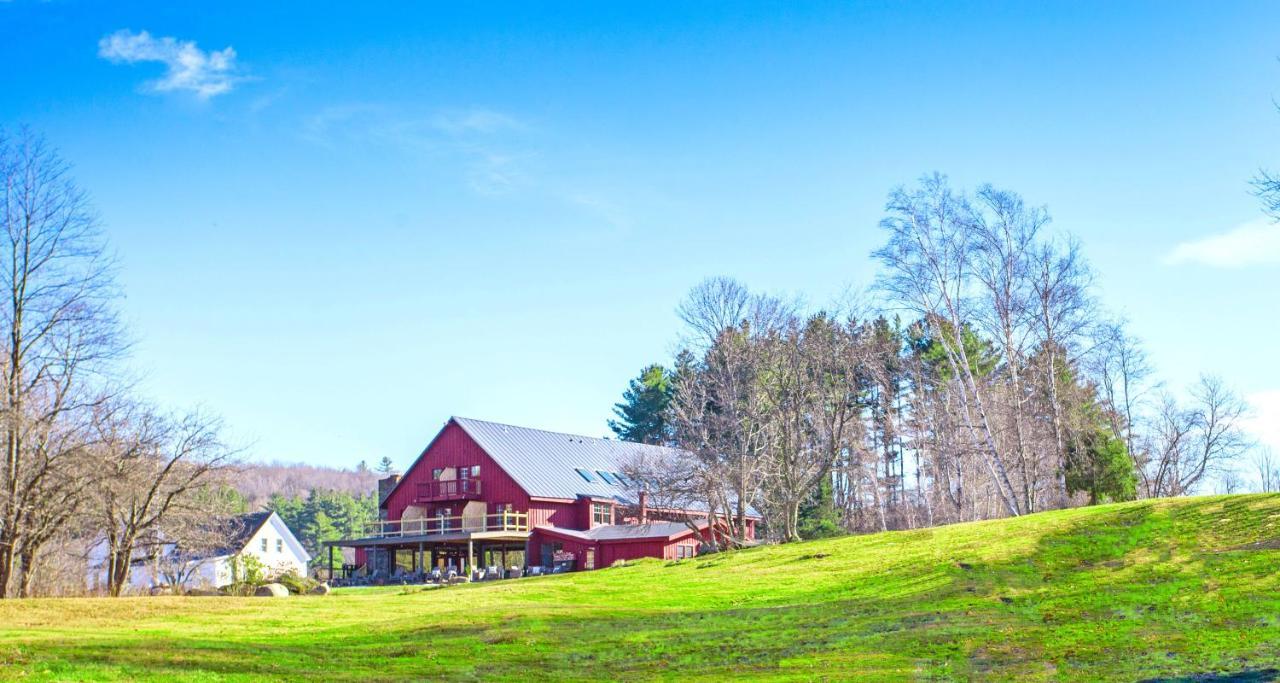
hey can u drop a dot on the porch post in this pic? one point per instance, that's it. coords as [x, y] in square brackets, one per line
[331, 563]
[471, 549]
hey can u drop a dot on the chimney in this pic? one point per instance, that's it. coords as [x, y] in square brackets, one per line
[385, 486]
[644, 507]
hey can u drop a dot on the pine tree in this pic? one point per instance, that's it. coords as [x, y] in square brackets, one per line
[643, 411]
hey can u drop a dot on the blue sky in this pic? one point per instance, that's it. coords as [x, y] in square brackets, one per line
[339, 225]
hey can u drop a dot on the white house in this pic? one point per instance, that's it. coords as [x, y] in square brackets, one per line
[261, 535]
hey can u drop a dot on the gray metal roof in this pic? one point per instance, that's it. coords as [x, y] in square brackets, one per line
[624, 532]
[544, 463]
[615, 532]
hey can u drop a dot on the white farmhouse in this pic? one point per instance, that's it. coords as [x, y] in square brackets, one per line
[260, 535]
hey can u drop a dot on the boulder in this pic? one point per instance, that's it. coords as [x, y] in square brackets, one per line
[271, 590]
[202, 592]
[320, 589]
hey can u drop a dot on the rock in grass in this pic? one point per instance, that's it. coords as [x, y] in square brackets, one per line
[271, 590]
[320, 589]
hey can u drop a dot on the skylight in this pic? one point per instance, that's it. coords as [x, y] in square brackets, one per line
[621, 479]
[608, 478]
[586, 476]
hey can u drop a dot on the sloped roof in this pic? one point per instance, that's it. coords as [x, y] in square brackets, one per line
[625, 532]
[242, 529]
[544, 463]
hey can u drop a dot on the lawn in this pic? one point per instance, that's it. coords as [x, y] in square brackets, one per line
[1155, 589]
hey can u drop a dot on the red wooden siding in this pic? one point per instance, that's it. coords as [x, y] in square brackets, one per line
[454, 448]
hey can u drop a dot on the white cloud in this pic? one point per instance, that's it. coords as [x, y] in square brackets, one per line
[188, 67]
[1255, 242]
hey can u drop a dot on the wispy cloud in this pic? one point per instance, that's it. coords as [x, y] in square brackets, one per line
[1255, 242]
[187, 67]
[490, 146]
[476, 120]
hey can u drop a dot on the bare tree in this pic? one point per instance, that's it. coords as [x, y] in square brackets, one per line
[190, 539]
[811, 388]
[1189, 442]
[928, 262]
[1120, 365]
[155, 468]
[1268, 470]
[60, 335]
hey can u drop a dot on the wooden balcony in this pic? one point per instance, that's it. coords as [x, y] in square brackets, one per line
[448, 489]
[440, 526]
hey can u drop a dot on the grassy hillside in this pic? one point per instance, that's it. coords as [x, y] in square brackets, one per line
[1122, 592]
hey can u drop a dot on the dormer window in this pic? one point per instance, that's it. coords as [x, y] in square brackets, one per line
[601, 514]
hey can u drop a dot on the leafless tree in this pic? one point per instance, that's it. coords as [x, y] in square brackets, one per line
[155, 467]
[190, 539]
[929, 270]
[1268, 470]
[60, 336]
[1189, 442]
[1120, 365]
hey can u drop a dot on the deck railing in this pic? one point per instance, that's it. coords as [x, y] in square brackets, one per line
[448, 489]
[431, 526]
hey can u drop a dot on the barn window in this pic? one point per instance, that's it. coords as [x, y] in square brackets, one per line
[435, 473]
[601, 513]
[684, 552]
[586, 476]
[475, 470]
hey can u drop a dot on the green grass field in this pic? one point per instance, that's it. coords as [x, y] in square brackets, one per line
[1157, 589]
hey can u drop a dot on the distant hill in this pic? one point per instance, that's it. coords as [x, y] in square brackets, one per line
[258, 482]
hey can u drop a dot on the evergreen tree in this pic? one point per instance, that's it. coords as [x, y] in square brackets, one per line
[385, 466]
[643, 411]
[324, 516]
[1099, 464]
[819, 517]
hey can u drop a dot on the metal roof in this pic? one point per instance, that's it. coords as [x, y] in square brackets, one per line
[625, 532]
[545, 463]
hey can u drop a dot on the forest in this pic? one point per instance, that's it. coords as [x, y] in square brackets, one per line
[980, 377]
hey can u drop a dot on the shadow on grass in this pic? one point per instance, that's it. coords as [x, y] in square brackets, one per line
[1250, 676]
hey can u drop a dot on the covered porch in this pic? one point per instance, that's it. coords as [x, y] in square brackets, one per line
[424, 549]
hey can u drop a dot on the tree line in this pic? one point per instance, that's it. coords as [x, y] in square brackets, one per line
[981, 378]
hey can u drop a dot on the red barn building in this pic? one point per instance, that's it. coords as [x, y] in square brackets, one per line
[487, 494]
